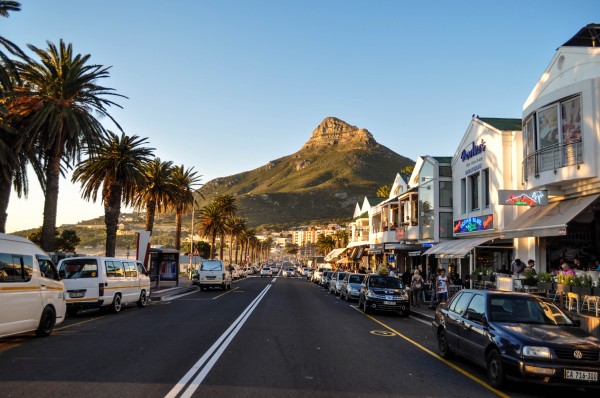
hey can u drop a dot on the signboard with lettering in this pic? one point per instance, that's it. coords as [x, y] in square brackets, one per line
[473, 224]
[522, 198]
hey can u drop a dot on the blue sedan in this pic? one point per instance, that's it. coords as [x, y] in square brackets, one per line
[519, 335]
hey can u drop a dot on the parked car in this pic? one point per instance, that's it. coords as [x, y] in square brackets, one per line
[274, 270]
[519, 335]
[233, 272]
[326, 278]
[266, 271]
[32, 296]
[249, 270]
[384, 293]
[335, 285]
[309, 272]
[350, 287]
[103, 282]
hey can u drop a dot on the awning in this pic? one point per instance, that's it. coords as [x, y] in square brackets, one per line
[548, 220]
[344, 260]
[457, 248]
[334, 254]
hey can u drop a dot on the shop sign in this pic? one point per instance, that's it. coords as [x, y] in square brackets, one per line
[473, 224]
[474, 150]
[522, 198]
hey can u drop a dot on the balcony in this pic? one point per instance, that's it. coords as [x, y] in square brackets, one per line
[552, 158]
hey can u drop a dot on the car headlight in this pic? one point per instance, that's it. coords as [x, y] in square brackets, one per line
[371, 294]
[536, 352]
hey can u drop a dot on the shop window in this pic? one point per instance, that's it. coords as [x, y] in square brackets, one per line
[463, 195]
[446, 193]
[446, 225]
[474, 188]
[486, 188]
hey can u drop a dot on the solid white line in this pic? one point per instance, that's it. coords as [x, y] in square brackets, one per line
[178, 296]
[198, 365]
[274, 280]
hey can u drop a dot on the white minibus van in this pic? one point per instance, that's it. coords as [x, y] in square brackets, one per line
[103, 282]
[211, 273]
[32, 296]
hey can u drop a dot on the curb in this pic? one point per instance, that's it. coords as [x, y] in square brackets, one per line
[421, 315]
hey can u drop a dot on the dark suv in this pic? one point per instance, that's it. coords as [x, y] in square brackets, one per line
[384, 293]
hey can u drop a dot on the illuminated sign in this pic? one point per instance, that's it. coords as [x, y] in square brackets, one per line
[522, 198]
[473, 151]
[473, 224]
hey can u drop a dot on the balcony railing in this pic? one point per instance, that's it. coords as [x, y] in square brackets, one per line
[552, 158]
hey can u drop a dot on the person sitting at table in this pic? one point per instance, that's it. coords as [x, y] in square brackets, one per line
[564, 268]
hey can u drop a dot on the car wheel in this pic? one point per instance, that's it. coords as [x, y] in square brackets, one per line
[495, 369]
[443, 346]
[143, 299]
[116, 305]
[47, 321]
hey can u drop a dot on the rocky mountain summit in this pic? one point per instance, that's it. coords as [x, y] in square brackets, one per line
[334, 169]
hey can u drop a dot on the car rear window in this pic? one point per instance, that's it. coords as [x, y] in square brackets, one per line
[211, 266]
[80, 268]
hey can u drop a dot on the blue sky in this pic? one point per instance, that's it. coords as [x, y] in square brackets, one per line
[226, 86]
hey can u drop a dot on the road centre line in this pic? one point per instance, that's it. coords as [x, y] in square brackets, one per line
[202, 367]
[436, 356]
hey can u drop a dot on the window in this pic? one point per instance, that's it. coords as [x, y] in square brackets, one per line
[81, 268]
[114, 269]
[570, 112]
[460, 304]
[445, 171]
[446, 225]
[476, 307]
[547, 120]
[130, 269]
[474, 186]
[47, 268]
[463, 195]
[15, 267]
[446, 193]
[486, 188]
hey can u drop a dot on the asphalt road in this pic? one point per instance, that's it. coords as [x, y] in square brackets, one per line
[267, 337]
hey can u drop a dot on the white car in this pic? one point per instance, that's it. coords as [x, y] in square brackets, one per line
[288, 272]
[265, 271]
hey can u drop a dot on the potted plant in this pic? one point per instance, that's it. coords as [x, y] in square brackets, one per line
[530, 278]
[563, 283]
[544, 281]
[582, 285]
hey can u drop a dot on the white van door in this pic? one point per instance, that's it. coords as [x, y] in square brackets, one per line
[133, 282]
[20, 299]
[51, 287]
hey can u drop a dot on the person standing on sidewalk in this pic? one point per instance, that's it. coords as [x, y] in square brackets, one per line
[442, 286]
[416, 288]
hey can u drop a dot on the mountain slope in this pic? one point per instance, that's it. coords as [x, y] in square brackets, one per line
[324, 180]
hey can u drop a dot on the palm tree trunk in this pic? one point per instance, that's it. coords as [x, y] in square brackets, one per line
[112, 211]
[150, 212]
[48, 238]
[5, 189]
[237, 246]
[212, 246]
[178, 223]
[231, 249]
[221, 246]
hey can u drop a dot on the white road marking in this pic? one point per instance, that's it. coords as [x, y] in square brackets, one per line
[201, 368]
[178, 296]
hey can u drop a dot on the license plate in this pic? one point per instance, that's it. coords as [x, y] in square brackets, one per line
[211, 277]
[76, 294]
[581, 375]
[389, 302]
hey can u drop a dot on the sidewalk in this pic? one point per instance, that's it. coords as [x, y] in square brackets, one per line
[171, 288]
[423, 312]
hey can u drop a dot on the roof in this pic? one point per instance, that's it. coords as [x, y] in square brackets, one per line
[443, 159]
[588, 36]
[503, 124]
[374, 200]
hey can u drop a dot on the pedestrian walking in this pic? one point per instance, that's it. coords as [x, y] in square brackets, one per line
[416, 288]
[442, 286]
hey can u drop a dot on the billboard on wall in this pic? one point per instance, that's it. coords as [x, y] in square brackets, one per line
[522, 198]
[472, 224]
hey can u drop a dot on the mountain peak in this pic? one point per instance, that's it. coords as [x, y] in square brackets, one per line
[333, 131]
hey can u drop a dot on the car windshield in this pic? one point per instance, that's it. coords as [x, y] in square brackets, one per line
[385, 281]
[80, 268]
[341, 275]
[526, 309]
[356, 278]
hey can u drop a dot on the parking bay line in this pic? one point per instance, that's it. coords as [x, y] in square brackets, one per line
[436, 356]
[202, 367]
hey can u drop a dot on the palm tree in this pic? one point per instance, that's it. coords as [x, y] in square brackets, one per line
[60, 108]
[341, 238]
[212, 224]
[157, 192]
[247, 238]
[383, 191]
[229, 208]
[234, 227]
[186, 181]
[8, 71]
[115, 165]
[325, 244]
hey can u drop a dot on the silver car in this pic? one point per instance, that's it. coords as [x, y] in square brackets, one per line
[350, 289]
[335, 284]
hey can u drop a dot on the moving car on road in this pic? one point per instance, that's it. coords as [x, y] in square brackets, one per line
[212, 273]
[519, 335]
[266, 271]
